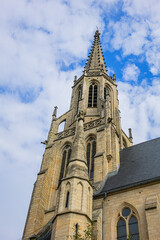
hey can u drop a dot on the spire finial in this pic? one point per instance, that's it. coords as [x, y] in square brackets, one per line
[97, 34]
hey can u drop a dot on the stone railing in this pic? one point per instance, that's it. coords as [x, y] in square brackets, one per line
[87, 126]
[93, 124]
[66, 133]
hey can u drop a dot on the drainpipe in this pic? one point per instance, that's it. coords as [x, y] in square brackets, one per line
[105, 195]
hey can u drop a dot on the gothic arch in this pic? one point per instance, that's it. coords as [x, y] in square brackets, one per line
[118, 215]
[65, 155]
[80, 86]
[80, 195]
[89, 207]
[67, 196]
[91, 135]
[111, 95]
[79, 92]
[91, 149]
[109, 89]
[64, 145]
[61, 126]
[129, 205]
[93, 81]
[93, 93]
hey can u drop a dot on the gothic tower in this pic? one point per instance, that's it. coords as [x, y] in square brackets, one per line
[78, 159]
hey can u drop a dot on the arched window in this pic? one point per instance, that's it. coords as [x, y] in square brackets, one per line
[127, 226]
[91, 151]
[79, 98]
[61, 126]
[67, 200]
[76, 231]
[121, 229]
[106, 92]
[65, 160]
[92, 96]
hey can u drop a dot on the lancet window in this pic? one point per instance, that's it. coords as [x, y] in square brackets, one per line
[67, 200]
[127, 226]
[79, 97]
[76, 231]
[106, 92]
[65, 160]
[91, 151]
[92, 96]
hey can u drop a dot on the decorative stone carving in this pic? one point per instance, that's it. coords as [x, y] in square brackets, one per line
[109, 157]
[91, 74]
[87, 126]
[66, 133]
[93, 124]
[80, 115]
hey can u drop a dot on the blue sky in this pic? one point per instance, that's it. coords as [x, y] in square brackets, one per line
[43, 45]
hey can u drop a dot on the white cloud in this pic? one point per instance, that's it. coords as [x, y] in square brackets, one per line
[140, 110]
[37, 39]
[137, 31]
[129, 35]
[131, 72]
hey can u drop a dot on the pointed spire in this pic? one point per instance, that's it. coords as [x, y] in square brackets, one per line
[96, 58]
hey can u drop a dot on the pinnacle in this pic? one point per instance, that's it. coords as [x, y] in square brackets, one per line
[95, 61]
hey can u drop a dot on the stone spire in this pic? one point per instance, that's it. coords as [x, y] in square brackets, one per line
[96, 58]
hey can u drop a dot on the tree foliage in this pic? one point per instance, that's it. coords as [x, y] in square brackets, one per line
[86, 234]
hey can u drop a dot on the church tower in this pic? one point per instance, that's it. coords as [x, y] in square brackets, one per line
[77, 160]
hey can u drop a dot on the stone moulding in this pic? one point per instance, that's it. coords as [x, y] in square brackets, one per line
[87, 126]
[66, 133]
[93, 124]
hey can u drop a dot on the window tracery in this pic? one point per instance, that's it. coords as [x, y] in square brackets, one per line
[92, 96]
[127, 225]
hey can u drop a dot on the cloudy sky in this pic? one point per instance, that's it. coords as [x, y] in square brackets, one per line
[43, 44]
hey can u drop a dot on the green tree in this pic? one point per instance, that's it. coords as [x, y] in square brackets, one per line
[130, 237]
[87, 234]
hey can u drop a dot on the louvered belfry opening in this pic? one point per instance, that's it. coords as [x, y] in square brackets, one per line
[92, 95]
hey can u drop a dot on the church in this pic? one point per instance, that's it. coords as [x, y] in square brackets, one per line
[91, 172]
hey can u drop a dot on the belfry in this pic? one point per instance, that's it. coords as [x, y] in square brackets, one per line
[90, 172]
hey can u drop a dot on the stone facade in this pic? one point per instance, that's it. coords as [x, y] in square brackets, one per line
[57, 205]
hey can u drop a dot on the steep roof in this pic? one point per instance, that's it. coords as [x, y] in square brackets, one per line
[96, 58]
[139, 164]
